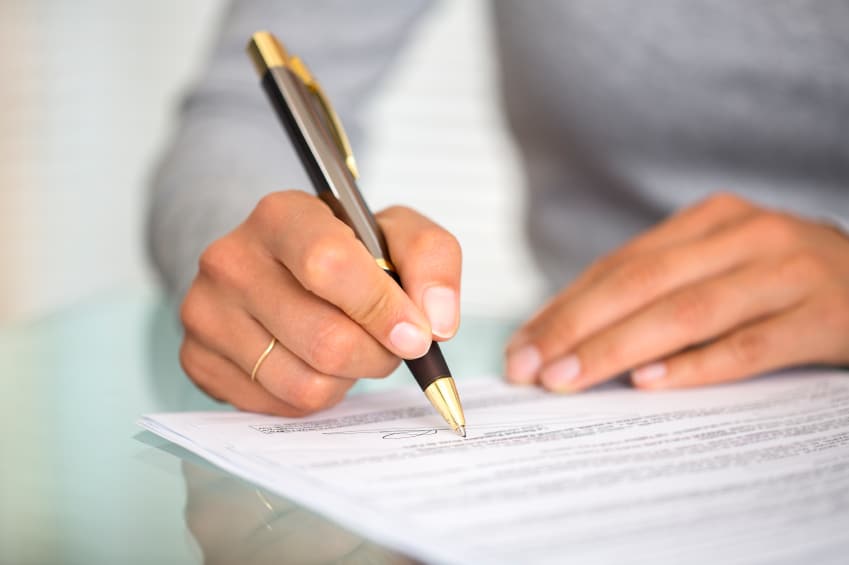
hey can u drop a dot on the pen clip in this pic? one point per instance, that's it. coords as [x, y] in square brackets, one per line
[300, 70]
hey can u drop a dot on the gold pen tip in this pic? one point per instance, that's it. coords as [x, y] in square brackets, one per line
[461, 431]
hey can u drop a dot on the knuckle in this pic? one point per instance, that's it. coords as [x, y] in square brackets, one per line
[724, 201]
[640, 276]
[192, 313]
[273, 205]
[192, 360]
[323, 260]
[222, 262]
[369, 312]
[397, 211]
[188, 359]
[804, 266]
[748, 347]
[778, 229]
[332, 349]
[267, 206]
[434, 240]
[690, 309]
[317, 393]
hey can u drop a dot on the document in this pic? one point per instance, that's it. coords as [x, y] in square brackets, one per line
[751, 472]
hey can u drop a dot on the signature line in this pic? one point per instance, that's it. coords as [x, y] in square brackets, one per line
[390, 434]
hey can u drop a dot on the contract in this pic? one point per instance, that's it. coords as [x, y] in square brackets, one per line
[750, 472]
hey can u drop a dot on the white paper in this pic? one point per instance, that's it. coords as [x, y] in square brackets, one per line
[745, 473]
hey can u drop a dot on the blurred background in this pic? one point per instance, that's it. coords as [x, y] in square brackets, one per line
[89, 92]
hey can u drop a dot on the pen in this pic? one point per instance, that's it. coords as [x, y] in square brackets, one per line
[324, 150]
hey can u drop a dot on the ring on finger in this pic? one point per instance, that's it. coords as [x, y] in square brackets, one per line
[262, 357]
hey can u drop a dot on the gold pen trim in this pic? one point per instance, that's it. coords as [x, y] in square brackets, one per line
[267, 52]
[385, 265]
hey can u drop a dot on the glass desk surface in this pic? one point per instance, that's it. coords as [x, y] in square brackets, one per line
[81, 483]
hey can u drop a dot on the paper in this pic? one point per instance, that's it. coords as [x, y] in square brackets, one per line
[744, 473]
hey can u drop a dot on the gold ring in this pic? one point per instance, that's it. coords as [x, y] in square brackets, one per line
[262, 357]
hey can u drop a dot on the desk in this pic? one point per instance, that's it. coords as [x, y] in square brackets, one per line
[80, 483]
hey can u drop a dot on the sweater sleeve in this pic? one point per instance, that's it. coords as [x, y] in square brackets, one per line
[229, 150]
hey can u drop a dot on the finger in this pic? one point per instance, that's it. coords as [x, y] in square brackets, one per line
[621, 292]
[325, 257]
[696, 222]
[319, 333]
[236, 336]
[715, 213]
[690, 316]
[428, 260]
[762, 346]
[223, 380]
[709, 215]
[287, 377]
[311, 328]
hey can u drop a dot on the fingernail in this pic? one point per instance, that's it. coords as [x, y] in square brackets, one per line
[523, 365]
[560, 374]
[440, 305]
[410, 341]
[649, 373]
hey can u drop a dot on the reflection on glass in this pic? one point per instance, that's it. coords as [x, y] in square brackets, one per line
[235, 522]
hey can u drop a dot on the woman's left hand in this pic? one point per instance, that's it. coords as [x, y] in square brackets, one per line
[721, 291]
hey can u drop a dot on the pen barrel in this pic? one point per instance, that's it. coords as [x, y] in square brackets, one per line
[330, 177]
[282, 92]
[431, 365]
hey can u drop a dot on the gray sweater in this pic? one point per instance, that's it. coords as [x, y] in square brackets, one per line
[623, 111]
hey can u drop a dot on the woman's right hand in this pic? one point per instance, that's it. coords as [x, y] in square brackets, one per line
[294, 272]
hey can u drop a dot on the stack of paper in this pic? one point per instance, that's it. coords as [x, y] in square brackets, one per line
[750, 472]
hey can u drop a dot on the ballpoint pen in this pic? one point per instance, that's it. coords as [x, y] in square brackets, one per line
[324, 150]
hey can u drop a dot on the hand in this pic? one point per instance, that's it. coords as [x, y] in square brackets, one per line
[295, 272]
[721, 291]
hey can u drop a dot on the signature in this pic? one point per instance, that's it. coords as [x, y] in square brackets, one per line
[404, 433]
